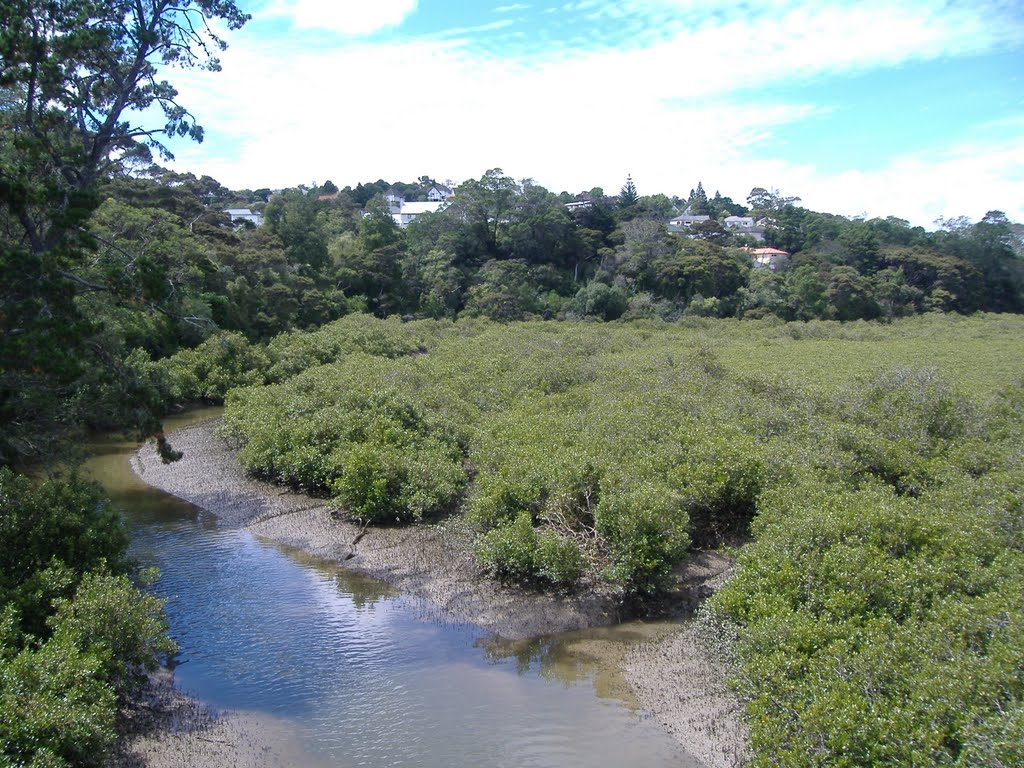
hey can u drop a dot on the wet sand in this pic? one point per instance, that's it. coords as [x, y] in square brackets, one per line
[164, 728]
[681, 681]
[672, 677]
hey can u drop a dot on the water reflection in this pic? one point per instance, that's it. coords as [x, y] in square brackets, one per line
[588, 657]
[371, 677]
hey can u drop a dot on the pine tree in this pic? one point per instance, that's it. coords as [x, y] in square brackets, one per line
[628, 195]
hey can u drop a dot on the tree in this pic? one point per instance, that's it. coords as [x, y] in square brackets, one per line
[294, 216]
[988, 245]
[76, 70]
[956, 282]
[628, 195]
[601, 300]
[435, 283]
[370, 265]
[765, 293]
[766, 201]
[505, 291]
[892, 294]
[697, 267]
[806, 293]
[698, 202]
[483, 207]
[709, 230]
[719, 206]
[74, 629]
[850, 296]
[860, 247]
[77, 78]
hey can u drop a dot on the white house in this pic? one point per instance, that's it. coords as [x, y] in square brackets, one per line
[439, 192]
[577, 205]
[244, 214]
[406, 212]
[687, 220]
[772, 258]
[744, 225]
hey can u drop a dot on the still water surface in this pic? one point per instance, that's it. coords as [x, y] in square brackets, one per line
[366, 676]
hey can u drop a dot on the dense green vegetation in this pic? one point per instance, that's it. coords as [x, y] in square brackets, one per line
[76, 632]
[84, 279]
[877, 609]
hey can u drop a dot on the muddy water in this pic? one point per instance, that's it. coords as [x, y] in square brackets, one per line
[368, 677]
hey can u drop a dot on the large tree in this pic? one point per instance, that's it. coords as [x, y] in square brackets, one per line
[628, 195]
[78, 79]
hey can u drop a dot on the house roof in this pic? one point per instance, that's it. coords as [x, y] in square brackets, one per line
[767, 251]
[414, 209]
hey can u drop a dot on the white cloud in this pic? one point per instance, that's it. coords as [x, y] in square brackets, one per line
[669, 113]
[963, 179]
[348, 17]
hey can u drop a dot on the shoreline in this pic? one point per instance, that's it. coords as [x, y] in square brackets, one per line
[672, 678]
[162, 727]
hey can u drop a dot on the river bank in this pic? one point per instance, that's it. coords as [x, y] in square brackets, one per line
[669, 676]
[164, 728]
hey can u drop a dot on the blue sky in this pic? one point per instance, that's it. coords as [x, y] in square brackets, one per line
[912, 109]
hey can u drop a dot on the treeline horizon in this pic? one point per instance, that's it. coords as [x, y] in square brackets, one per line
[510, 250]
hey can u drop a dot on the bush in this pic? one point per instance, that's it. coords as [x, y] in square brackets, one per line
[207, 372]
[296, 351]
[55, 707]
[50, 536]
[353, 431]
[559, 560]
[517, 553]
[112, 619]
[645, 526]
[897, 612]
[378, 482]
[878, 608]
[720, 482]
[75, 632]
[509, 550]
[916, 406]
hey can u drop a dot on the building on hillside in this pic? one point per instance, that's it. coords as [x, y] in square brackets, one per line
[407, 212]
[577, 205]
[744, 225]
[438, 193]
[772, 258]
[244, 214]
[687, 220]
[680, 225]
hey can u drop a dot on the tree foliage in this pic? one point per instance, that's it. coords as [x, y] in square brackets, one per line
[76, 633]
[76, 77]
[628, 195]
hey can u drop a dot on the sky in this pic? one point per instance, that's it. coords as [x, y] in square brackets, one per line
[903, 108]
